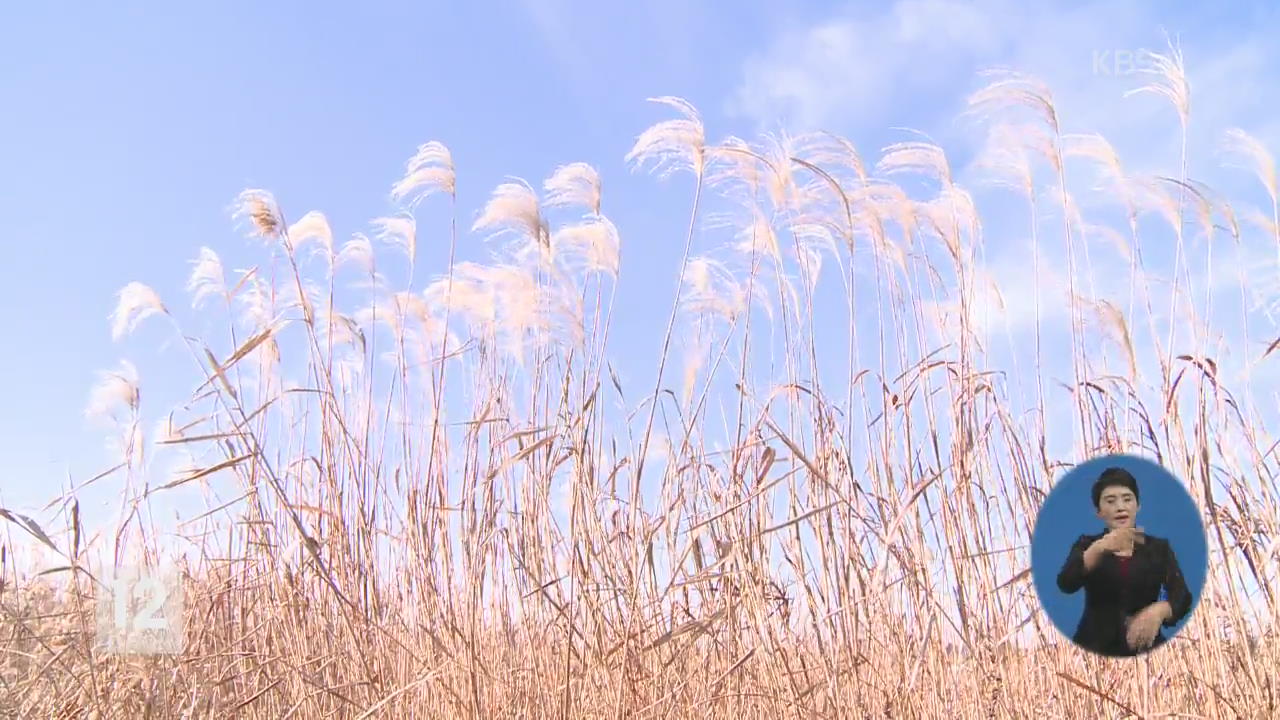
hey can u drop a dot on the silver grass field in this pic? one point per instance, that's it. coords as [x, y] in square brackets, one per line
[437, 498]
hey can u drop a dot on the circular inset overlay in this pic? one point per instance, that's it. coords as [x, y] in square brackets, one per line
[1118, 555]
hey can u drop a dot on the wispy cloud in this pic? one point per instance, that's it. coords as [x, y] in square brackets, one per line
[854, 69]
[916, 59]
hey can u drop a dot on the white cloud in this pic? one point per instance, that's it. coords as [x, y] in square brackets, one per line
[821, 75]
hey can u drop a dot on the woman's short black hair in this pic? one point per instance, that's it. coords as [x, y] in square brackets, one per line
[1113, 477]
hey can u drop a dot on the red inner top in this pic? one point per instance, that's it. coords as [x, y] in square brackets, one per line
[1124, 566]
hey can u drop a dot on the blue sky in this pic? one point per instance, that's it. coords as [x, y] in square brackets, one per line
[130, 128]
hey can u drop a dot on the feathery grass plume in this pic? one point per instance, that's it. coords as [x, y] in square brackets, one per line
[812, 239]
[341, 329]
[265, 361]
[780, 181]
[395, 313]
[810, 257]
[207, 279]
[591, 244]
[1260, 220]
[737, 171]
[1008, 90]
[952, 212]
[1114, 182]
[1151, 195]
[1113, 237]
[429, 171]
[869, 221]
[305, 297]
[1247, 152]
[1201, 204]
[819, 235]
[135, 303]
[832, 153]
[513, 209]
[312, 229]
[754, 237]
[400, 232]
[259, 305]
[260, 209]
[695, 356]
[1008, 153]
[524, 307]
[1170, 81]
[574, 184]
[713, 290]
[471, 296]
[924, 158]
[114, 400]
[357, 251]
[1072, 208]
[887, 201]
[115, 390]
[1112, 320]
[672, 145]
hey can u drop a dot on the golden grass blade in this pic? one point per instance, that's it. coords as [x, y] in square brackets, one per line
[1089, 688]
[203, 472]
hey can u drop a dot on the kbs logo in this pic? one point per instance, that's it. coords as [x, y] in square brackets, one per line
[1117, 63]
[140, 612]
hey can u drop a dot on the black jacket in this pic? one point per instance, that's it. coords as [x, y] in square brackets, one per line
[1109, 599]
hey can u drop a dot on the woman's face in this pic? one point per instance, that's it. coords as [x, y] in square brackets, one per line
[1118, 507]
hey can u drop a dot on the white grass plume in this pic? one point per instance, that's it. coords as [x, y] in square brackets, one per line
[207, 279]
[1116, 329]
[135, 302]
[470, 295]
[812, 240]
[341, 330]
[591, 244]
[429, 171]
[501, 302]
[1094, 147]
[712, 290]
[735, 170]
[400, 232]
[1010, 152]
[256, 301]
[672, 145]
[758, 237]
[1169, 81]
[949, 215]
[259, 207]
[312, 229]
[357, 251]
[777, 150]
[115, 390]
[924, 158]
[831, 152]
[1010, 90]
[1249, 152]
[574, 184]
[524, 307]
[1152, 195]
[513, 209]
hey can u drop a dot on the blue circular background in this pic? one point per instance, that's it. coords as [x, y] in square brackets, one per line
[1165, 509]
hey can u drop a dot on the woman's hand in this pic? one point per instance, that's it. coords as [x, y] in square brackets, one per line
[1143, 627]
[1120, 539]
